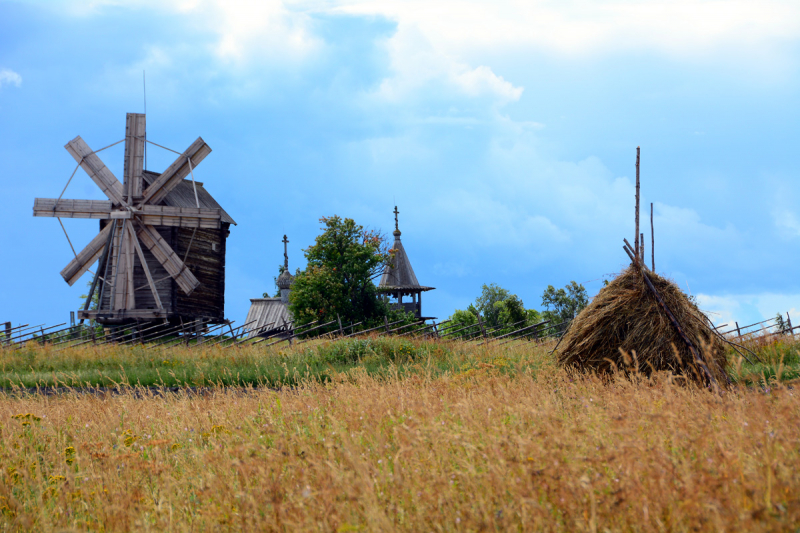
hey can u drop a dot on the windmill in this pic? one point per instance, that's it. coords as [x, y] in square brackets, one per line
[150, 209]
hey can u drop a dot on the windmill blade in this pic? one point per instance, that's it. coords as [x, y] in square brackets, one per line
[121, 271]
[181, 217]
[134, 154]
[86, 257]
[146, 269]
[175, 173]
[165, 255]
[50, 207]
[96, 169]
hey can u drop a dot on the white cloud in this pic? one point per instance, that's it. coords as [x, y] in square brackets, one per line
[787, 222]
[749, 308]
[685, 28]
[9, 77]
[418, 68]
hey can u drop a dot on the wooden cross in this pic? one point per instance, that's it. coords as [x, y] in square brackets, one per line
[396, 212]
[285, 253]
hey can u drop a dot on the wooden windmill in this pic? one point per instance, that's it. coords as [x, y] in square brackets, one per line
[163, 212]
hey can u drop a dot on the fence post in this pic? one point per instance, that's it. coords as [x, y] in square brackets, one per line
[738, 331]
[341, 331]
[789, 322]
[385, 321]
[8, 332]
[480, 323]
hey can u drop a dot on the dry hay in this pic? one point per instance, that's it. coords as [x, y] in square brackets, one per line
[624, 327]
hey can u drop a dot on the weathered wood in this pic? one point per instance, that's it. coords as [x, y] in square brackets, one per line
[204, 250]
[386, 326]
[103, 260]
[130, 294]
[67, 208]
[175, 173]
[134, 155]
[652, 241]
[480, 323]
[526, 328]
[120, 278]
[636, 235]
[641, 247]
[167, 257]
[85, 258]
[182, 217]
[143, 262]
[96, 170]
[93, 314]
[475, 325]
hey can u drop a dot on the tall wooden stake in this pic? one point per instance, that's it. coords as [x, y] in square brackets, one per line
[652, 241]
[636, 235]
[641, 248]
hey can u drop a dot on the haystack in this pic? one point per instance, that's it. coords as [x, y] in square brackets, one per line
[626, 327]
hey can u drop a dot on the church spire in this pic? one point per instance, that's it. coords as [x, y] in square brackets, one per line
[396, 225]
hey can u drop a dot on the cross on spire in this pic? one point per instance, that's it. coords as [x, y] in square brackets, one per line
[396, 212]
[285, 253]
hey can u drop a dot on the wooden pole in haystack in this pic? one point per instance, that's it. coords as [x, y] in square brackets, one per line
[652, 241]
[641, 247]
[636, 235]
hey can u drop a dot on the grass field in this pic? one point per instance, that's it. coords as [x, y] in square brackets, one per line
[391, 434]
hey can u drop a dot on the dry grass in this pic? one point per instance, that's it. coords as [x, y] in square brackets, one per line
[481, 448]
[625, 327]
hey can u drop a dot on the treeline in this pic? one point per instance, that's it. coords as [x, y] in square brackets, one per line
[501, 312]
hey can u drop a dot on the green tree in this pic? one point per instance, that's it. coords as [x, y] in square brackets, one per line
[491, 295]
[564, 304]
[511, 313]
[781, 324]
[462, 318]
[338, 279]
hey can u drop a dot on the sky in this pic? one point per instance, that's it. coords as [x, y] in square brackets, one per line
[504, 131]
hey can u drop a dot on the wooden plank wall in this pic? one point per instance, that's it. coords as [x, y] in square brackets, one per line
[144, 296]
[208, 265]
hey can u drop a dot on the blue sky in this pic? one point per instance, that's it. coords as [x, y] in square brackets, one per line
[506, 133]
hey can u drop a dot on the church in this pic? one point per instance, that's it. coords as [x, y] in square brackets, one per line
[268, 316]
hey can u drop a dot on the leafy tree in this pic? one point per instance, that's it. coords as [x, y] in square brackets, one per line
[510, 312]
[338, 279]
[781, 324]
[462, 318]
[564, 304]
[491, 295]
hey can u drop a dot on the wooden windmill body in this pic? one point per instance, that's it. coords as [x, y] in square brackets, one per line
[160, 252]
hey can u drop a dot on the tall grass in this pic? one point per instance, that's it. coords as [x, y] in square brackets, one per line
[475, 449]
[200, 366]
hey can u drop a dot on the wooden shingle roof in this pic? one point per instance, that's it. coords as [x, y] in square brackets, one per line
[183, 196]
[265, 315]
[398, 274]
